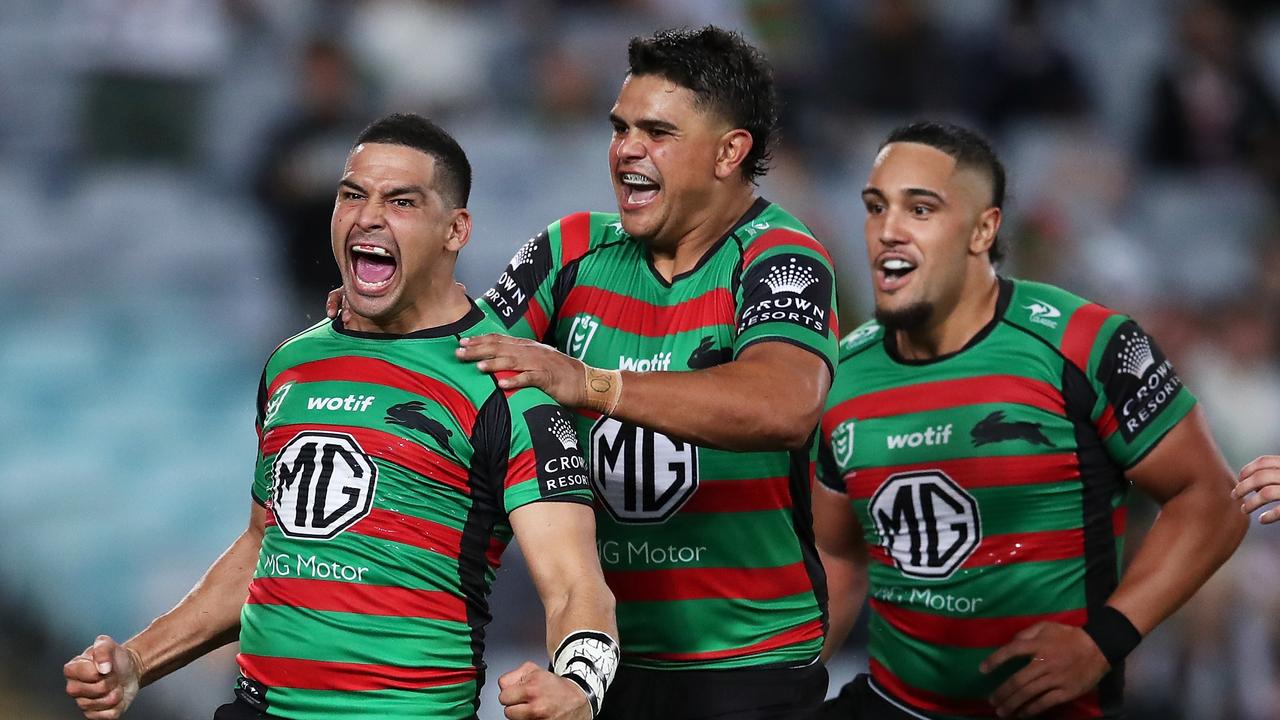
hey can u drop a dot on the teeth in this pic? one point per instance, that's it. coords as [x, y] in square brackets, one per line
[371, 250]
[896, 264]
[636, 179]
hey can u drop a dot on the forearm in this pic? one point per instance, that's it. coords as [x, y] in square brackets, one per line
[846, 593]
[1195, 532]
[586, 606]
[206, 619]
[736, 406]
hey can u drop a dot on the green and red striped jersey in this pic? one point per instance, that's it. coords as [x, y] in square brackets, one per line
[990, 487]
[388, 469]
[709, 553]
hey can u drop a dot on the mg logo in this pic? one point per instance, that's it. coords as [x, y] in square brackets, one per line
[324, 483]
[580, 333]
[640, 475]
[927, 522]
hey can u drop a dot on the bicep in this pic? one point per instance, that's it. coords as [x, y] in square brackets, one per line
[788, 373]
[836, 527]
[1185, 457]
[558, 540]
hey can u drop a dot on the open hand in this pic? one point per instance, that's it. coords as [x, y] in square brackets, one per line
[1065, 664]
[524, 363]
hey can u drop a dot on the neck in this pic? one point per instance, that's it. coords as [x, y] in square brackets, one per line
[441, 304]
[950, 332]
[682, 255]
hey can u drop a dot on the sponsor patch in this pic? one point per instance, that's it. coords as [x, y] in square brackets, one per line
[510, 296]
[323, 482]
[556, 451]
[1137, 378]
[789, 288]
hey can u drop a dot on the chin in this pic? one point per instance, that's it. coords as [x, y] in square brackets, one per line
[909, 317]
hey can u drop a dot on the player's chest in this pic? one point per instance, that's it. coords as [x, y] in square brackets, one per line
[622, 316]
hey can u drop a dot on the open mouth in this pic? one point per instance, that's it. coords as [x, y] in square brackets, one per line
[638, 189]
[894, 271]
[373, 268]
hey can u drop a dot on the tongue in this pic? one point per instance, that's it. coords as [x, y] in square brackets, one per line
[643, 194]
[374, 269]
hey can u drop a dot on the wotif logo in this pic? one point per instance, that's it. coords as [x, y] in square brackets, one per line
[790, 278]
[350, 403]
[1042, 313]
[580, 333]
[659, 361]
[935, 435]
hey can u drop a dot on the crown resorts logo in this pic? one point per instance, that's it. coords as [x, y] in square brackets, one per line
[790, 278]
[1135, 357]
[564, 433]
[524, 255]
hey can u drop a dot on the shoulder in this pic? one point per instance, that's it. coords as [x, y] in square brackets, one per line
[864, 337]
[293, 349]
[1068, 323]
[775, 230]
[581, 233]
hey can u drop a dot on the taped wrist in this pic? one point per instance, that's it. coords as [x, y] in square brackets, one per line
[1112, 632]
[590, 659]
[604, 388]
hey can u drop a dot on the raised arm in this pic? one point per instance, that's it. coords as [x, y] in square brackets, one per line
[105, 678]
[770, 397]
[558, 540]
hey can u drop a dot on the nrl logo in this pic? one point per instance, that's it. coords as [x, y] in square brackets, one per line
[273, 405]
[1042, 313]
[842, 443]
[790, 278]
[580, 333]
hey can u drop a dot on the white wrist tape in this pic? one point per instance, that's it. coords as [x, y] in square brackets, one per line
[590, 659]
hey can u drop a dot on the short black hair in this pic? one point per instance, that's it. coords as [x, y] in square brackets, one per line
[969, 149]
[727, 74]
[453, 170]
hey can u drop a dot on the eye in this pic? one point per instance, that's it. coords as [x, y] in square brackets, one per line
[402, 203]
[348, 195]
[874, 208]
[619, 129]
[921, 210]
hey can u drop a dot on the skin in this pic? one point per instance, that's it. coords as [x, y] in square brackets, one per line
[387, 197]
[1259, 487]
[771, 396]
[921, 207]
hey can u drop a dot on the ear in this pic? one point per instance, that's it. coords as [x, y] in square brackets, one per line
[459, 230]
[732, 150]
[985, 231]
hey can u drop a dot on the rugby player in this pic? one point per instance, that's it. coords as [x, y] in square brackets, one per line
[693, 331]
[978, 446]
[1259, 487]
[390, 477]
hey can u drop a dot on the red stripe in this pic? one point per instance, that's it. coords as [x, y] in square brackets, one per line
[979, 472]
[1010, 548]
[537, 319]
[778, 237]
[1082, 331]
[319, 675]
[620, 312]
[924, 699]
[798, 634]
[521, 468]
[967, 632]
[708, 583]
[924, 397]
[352, 597]
[724, 496]
[384, 446]
[575, 237]
[1119, 519]
[421, 533]
[351, 368]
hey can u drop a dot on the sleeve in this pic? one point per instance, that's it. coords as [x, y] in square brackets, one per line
[1140, 397]
[261, 489]
[787, 294]
[827, 471]
[524, 298]
[534, 451]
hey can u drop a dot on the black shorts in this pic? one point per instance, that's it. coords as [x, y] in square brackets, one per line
[239, 710]
[859, 701]
[743, 694]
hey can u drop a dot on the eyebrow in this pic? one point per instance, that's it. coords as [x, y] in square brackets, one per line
[393, 192]
[909, 192]
[646, 124]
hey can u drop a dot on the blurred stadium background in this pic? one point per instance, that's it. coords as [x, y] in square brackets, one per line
[167, 169]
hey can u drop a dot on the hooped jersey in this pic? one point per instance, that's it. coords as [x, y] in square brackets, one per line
[709, 553]
[990, 486]
[388, 469]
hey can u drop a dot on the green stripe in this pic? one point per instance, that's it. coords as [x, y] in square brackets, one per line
[281, 631]
[387, 562]
[942, 669]
[448, 702]
[1011, 509]
[731, 540]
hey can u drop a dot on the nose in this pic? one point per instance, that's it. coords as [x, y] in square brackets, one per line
[893, 228]
[371, 215]
[628, 146]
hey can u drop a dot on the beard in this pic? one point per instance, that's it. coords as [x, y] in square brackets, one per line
[909, 318]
